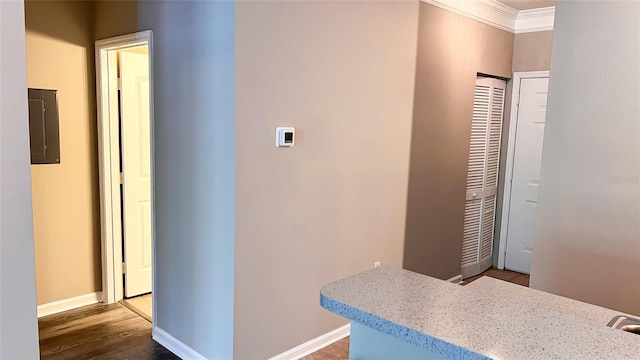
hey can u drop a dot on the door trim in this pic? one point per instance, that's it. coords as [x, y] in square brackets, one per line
[511, 148]
[109, 159]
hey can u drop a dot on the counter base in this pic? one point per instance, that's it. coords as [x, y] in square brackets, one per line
[370, 344]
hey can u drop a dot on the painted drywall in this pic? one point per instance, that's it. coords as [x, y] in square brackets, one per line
[66, 196]
[115, 17]
[586, 243]
[528, 4]
[194, 164]
[531, 52]
[18, 319]
[452, 49]
[342, 73]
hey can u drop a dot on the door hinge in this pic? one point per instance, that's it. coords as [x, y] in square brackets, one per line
[119, 83]
[121, 178]
[124, 268]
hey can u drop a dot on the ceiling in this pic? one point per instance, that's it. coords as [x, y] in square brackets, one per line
[528, 4]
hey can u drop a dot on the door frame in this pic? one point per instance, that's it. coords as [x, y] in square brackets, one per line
[109, 160]
[511, 149]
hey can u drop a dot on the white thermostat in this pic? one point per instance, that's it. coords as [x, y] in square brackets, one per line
[285, 136]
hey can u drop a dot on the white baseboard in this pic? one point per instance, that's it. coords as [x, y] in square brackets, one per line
[456, 279]
[69, 304]
[314, 345]
[175, 346]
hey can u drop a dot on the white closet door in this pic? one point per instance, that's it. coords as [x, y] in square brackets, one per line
[136, 164]
[482, 176]
[526, 173]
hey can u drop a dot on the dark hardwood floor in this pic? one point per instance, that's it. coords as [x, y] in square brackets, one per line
[504, 275]
[98, 332]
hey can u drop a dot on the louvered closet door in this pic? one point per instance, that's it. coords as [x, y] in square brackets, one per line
[482, 176]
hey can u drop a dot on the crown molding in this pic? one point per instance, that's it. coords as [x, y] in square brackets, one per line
[535, 20]
[499, 15]
[489, 12]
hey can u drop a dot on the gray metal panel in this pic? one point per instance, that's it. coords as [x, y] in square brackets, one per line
[44, 133]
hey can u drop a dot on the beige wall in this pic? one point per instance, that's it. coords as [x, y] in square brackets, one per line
[451, 50]
[342, 73]
[531, 52]
[115, 17]
[59, 49]
[587, 233]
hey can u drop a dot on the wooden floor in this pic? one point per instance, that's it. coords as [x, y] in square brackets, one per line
[335, 351]
[340, 349]
[98, 332]
[141, 305]
[505, 275]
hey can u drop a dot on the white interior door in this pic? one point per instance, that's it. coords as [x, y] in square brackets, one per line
[136, 165]
[526, 173]
[482, 176]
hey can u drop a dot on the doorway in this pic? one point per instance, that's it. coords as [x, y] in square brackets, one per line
[125, 121]
[524, 157]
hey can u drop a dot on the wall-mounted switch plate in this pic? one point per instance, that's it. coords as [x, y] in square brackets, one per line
[285, 136]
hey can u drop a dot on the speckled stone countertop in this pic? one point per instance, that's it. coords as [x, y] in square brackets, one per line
[488, 318]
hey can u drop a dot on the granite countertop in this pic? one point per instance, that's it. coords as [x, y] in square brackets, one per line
[488, 318]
